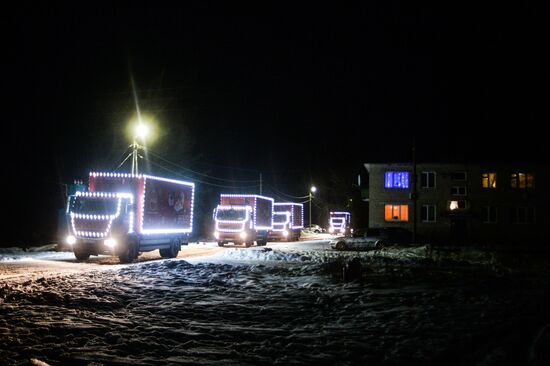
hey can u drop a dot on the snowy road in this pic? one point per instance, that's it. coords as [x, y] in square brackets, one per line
[285, 304]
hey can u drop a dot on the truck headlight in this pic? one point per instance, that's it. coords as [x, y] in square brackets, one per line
[110, 242]
[243, 234]
[216, 235]
[285, 232]
[70, 239]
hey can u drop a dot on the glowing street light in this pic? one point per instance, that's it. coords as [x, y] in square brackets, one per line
[141, 131]
[312, 190]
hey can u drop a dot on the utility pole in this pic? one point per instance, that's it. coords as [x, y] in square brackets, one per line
[310, 209]
[312, 190]
[135, 158]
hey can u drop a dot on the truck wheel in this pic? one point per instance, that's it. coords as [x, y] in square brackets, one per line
[81, 255]
[261, 243]
[248, 244]
[129, 253]
[220, 243]
[171, 252]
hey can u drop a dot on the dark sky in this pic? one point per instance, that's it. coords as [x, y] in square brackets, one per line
[301, 93]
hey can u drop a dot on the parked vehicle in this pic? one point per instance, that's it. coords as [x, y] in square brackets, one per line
[375, 238]
[288, 220]
[125, 214]
[339, 222]
[243, 218]
[314, 228]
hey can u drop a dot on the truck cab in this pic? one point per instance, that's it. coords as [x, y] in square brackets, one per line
[234, 224]
[98, 221]
[243, 219]
[339, 223]
[288, 220]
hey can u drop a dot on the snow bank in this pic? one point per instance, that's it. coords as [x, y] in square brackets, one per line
[261, 254]
[41, 252]
[271, 305]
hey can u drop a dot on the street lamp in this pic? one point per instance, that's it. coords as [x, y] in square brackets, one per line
[312, 190]
[141, 130]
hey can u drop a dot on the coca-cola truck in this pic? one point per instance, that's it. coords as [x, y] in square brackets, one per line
[243, 219]
[288, 221]
[124, 214]
[339, 222]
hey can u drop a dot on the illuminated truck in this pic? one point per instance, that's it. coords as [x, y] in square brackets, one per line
[243, 219]
[125, 214]
[339, 222]
[288, 220]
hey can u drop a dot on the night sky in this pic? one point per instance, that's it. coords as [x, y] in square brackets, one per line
[299, 93]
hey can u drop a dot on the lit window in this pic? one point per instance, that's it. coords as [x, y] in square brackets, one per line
[396, 180]
[489, 180]
[428, 213]
[522, 180]
[458, 191]
[457, 205]
[489, 215]
[427, 179]
[396, 212]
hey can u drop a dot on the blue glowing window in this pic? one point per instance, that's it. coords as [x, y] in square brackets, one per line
[397, 180]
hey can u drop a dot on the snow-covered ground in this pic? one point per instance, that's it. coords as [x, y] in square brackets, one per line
[287, 303]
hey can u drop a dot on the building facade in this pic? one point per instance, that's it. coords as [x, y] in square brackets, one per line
[460, 204]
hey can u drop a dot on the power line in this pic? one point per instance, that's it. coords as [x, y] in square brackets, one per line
[222, 179]
[201, 174]
[201, 181]
[157, 156]
[287, 195]
[235, 182]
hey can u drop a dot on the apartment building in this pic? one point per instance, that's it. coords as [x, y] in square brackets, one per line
[461, 203]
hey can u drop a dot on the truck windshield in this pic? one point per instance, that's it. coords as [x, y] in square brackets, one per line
[231, 215]
[94, 205]
[279, 218]
[337, 222]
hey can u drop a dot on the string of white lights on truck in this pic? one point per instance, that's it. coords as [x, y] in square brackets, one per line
[301, 206]
[142, 203]
[281, 224]
[109, 218]
[255, 204]
[242, 222]
[114, 175]
[167, 231]
[302, 221]
[340, 221]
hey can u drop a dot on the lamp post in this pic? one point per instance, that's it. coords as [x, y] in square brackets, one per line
[141, 131]
[312, 190]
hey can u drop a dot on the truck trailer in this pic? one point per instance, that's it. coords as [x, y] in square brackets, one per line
[339, 222]
[125, 214]
[288, 221]
[243, 218]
